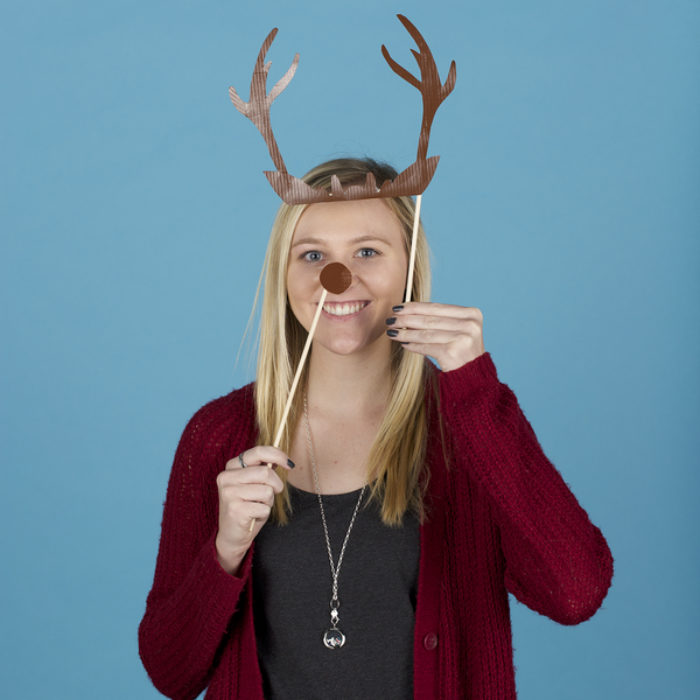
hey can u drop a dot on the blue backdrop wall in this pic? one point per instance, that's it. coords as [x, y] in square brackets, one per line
[134, 220]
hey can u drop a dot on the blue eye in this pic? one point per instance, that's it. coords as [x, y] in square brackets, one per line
[368, 253]
[312, 256]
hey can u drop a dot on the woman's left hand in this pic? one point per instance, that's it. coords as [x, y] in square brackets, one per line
[453, 335]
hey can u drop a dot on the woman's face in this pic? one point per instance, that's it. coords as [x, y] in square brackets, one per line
[366, 236]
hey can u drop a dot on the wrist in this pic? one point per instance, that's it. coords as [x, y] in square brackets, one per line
[229, 557]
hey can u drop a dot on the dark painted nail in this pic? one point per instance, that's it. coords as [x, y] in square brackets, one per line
[290, 463]
[397, 308]
[403, 342]
[392, 332]
[389, 321]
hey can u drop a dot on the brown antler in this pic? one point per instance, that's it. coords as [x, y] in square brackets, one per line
[258, 108]
[431, 89]
[411, 181]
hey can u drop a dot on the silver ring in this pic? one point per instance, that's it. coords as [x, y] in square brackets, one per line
[240, 459]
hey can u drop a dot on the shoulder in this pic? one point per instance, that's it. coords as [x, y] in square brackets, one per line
[221, 423]
[235, 405]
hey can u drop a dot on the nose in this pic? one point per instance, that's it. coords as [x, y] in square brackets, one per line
[336, 278]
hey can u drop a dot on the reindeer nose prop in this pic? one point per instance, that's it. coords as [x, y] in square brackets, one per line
[336, 278]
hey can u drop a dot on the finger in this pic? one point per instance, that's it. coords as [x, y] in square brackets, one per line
[433, 308]
[236, 510]
[251, 511]
[236, 463]
[251, 475]
[261, 454]
[448, 356]
[258, 493]
[434, 350]
[433, 336]
[266, 454]
[427, 349]
[445, 323]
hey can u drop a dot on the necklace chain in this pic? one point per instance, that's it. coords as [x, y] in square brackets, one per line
[335, 569]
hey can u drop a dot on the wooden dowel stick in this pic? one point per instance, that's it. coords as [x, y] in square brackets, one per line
[300, 366]
[304, 353]
[412, 260]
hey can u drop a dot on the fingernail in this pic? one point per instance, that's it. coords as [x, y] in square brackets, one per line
[290, 463]
[389, 321]
[392, 332]
[397, 308]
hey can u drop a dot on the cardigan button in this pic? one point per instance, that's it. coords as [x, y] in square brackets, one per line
[430, 641]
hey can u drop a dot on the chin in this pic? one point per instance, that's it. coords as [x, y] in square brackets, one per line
[351, 345]
[347, 348]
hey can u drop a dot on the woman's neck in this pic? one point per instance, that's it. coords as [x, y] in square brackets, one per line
[349, 385]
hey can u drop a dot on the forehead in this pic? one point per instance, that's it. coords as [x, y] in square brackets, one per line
[339, 221]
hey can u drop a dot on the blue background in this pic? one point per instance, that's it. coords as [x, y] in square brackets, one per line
[134, 220]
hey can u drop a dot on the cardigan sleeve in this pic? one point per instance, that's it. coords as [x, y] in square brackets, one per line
[556, 561]
[193, 599]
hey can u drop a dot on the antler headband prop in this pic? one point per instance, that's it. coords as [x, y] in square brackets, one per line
[412, 181]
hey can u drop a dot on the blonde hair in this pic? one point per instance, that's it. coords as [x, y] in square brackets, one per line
[397, 456]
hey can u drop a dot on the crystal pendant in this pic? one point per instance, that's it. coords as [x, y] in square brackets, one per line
[333, 638]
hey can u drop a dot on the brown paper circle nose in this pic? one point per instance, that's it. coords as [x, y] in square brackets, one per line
[336, 278]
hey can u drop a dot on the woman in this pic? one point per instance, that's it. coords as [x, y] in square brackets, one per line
[375, 559]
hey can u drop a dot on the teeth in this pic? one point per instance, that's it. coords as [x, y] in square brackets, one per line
[343, 309]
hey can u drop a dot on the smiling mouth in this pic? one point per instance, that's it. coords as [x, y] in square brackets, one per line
[344, 309]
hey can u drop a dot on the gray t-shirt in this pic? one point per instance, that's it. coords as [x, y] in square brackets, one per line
[377, 587]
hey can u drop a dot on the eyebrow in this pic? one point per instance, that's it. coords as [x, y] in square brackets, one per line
[360, 239]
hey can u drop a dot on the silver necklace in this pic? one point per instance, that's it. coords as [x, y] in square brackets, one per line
[333, 638]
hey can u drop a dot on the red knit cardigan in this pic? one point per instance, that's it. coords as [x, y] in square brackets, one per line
[500, 519]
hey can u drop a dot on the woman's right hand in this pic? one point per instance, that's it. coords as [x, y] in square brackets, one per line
[244, 495]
